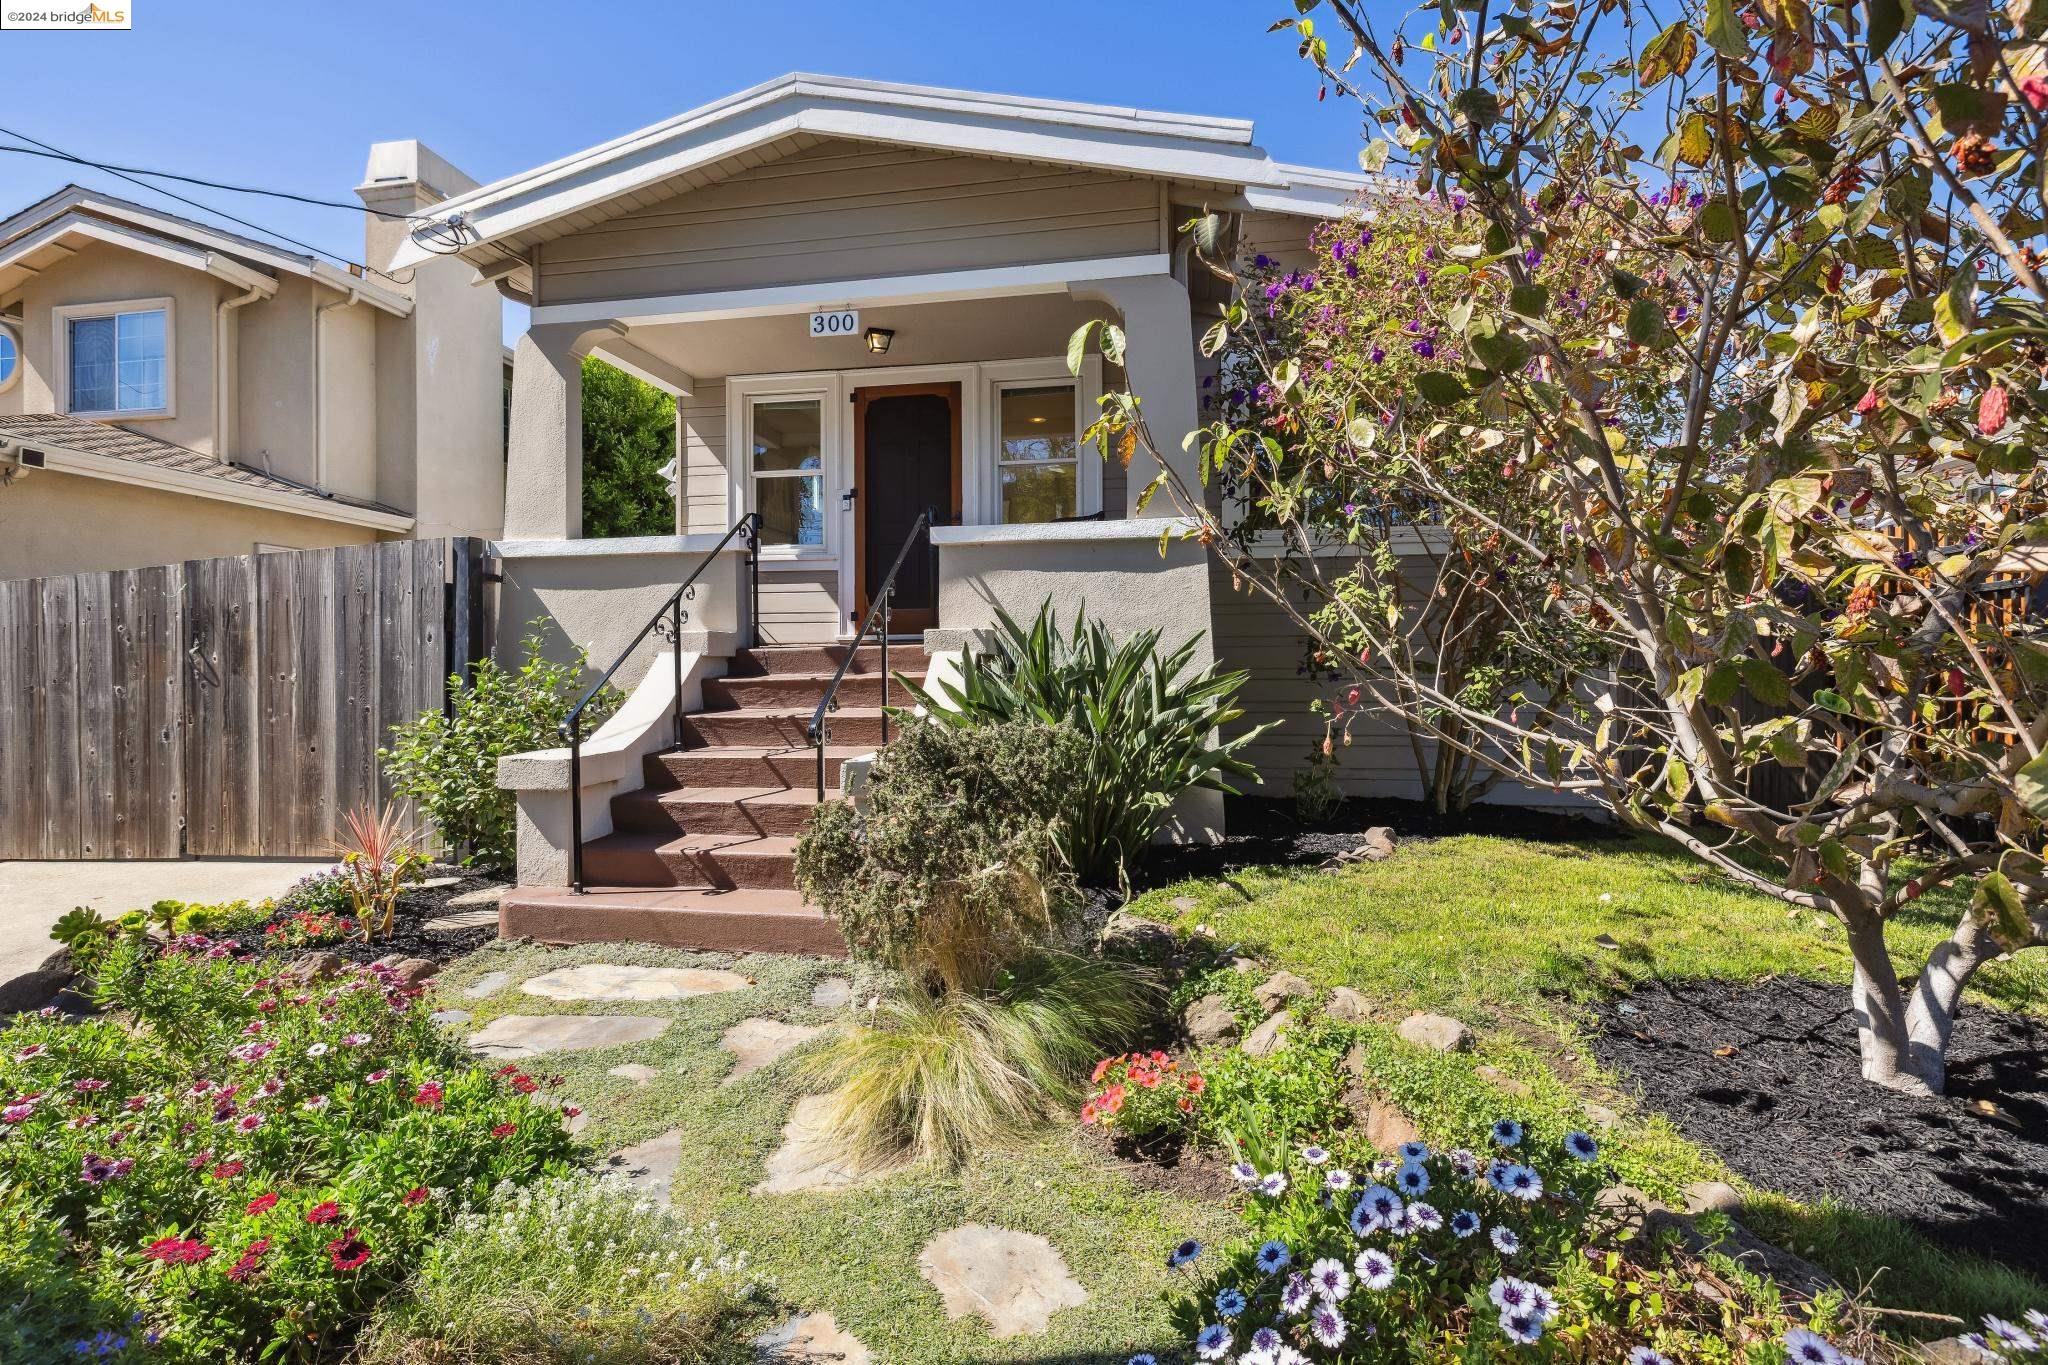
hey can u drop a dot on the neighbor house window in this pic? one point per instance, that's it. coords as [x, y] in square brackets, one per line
[119, 361]
[1038, 463]
[10, 357]
[789, 470]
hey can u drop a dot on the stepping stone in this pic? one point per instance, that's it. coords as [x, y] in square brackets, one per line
[832, 993]
[435, 883]
[447, 1017]
[809, 1157]
[1016, 1280]
[488, 895]
[808, 1338]
[760, 1042]
[465, 919]
[489, 984]
[529, 1035]
[604, 981]
[639, 1073]
[649, 1167]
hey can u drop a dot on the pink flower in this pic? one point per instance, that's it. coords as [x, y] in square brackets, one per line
[177, 1251]
[429, 1095]
[88, 1085]
[249, 1123]
[316, 1102]
[324, 1212]
[416, 1195]
[354, 1039]
[18, 1113]
[33, 1050]
[261, 1204]
[378, 1076]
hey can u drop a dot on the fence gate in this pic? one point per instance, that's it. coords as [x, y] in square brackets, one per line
[221, 707]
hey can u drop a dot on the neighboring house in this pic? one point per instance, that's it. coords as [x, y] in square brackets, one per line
[721, 255]
[170, 391]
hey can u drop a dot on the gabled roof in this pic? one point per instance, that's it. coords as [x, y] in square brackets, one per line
[73, 445]
[64, 222]
[497, 221]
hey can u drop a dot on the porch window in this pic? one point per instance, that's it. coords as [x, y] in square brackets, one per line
[1038, 464]
[788, 471]
[119, 361]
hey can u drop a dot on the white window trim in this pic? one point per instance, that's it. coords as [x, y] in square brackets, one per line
[20, 355]
[1038, 374]
[61, 319]
[741, 396]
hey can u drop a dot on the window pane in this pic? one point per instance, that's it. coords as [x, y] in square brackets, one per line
[92, 365]
[792, 510]
[1038, 424]
[787, 434]
[10, 356]
[1042, 493]
[140, 346]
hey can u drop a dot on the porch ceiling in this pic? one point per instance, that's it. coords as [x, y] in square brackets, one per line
[926, 334]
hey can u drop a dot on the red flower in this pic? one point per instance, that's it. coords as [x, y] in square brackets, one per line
[504, 1130]
[246, 1266]
[348, 1252]
[323, 1213]
[1991, 410]
[262, 1204]
[178, 1250]
[1101, 1069]
[429, 1095]
[1088, 1112]
[1196, 1085]
[525, 1085]
[1868, 403]
[2035, 90]
[509, 1069]
[227, 1170]
[416, 1195]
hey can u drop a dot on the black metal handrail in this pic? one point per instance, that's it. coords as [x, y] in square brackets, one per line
[877, 608]
[748, 531]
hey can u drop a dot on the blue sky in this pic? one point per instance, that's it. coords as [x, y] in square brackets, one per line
[291, 96]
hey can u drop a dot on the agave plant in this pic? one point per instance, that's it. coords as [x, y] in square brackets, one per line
[378, 858]
[1152, 724]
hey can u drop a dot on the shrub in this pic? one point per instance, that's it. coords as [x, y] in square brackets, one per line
[939, 1074]
[378, 859]
[566, 1272]
[951, 872]
[319, 893]
[1145, 1097]
[308, 929]
[1261, 1108]
[447, 764]
[1149, 724]
[254, 1158]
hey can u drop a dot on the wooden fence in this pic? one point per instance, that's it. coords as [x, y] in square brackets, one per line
[222, 707]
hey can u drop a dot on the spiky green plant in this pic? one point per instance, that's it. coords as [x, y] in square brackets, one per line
[935, 1075]
[1152, 724]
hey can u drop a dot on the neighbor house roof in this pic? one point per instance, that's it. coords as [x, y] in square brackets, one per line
[64, 223]
[73, 445]
[497, 222]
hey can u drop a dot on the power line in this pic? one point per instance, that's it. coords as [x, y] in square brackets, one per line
[208, 184]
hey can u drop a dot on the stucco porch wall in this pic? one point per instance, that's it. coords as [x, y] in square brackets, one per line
[599, 593]
[1131, 575]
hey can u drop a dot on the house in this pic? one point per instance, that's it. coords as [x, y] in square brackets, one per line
[861, 296]
[170, 390]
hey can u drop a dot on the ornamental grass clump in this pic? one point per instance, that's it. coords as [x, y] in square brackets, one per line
[241, 1163]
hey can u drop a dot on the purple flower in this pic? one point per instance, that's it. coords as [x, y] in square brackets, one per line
[1533, 256]
[1421, 278]
[1375, 1269]
[1328, 1325]
[1379, 353]
[1424, 348]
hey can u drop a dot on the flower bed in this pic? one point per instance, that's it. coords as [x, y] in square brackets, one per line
[245, 1163]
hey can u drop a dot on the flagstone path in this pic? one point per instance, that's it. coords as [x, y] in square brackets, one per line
[528, 1035]
[1015, 1280]
[756, 1043]
[809, 1159]
[650, 1166]
[832, 993]
[606, 981]
[487, 985]
[808, 1338]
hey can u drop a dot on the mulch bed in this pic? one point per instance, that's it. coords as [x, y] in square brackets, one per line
[410, 936]
[1789, 1109]
[1181, 1168]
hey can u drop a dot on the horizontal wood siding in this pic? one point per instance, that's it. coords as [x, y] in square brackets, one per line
[700, 441]
[846, 210]
[799, 606]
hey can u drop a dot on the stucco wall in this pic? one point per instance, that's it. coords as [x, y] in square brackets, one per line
[597, 593]
[348, 398]
[54, 523]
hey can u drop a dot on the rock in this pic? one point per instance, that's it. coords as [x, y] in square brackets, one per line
[1607, 941]
[489, 984]
[639, 1073]
[834, 992]
[1386, 1127]
[1378, 844]
[1015, 1280]
[1269, 1037]
[1500, 1080]
[434, 883]
[315, 967]
[462, 920]
[406, 971]
[810, 1339]
[1185, 903]
[1628, 1206]
[1209, 1022]
[1243, 966]
[1347, 1006]
[446, 1017]
[650, 1166]
[756, 1043]
[810, 1157]
[1952, 1351]
[1796, 1276]
[604, 981]
[528, 1035]
[483, 895]
[1712, 1196]
[1600, 1116]
[1439, 1032]
[1134, 938]
[1279, 988]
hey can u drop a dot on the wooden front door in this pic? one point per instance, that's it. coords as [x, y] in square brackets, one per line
[906, 457]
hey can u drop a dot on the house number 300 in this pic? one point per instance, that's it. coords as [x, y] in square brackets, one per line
[844, 323]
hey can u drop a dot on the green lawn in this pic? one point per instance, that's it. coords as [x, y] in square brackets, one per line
[854, 1253]
[1513, 936]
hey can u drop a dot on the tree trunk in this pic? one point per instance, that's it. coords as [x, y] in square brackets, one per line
[1931, 1014]
[1881, 1031]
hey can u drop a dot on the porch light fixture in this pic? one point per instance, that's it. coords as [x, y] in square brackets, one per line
[878, 339]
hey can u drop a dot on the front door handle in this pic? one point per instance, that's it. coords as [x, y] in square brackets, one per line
[846, 498]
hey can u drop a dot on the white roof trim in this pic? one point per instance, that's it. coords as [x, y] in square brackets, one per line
[169, 225]
[1177, 147]
[64, 460]
[73, 224]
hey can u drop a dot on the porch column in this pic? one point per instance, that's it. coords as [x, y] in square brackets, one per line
[544, 462]
[1159, 364]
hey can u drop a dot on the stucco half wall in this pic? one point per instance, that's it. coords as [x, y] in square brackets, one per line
[57, 523]
[1131, 576]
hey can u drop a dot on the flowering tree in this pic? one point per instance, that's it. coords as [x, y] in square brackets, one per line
[1728, 427]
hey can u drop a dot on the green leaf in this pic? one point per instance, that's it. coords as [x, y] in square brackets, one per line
[1669, 54]
[1646, 322]
[1835, 859]
[1998, 911]
[1441, 387]
[1764, 681]
[1077, 344]
[1724, 30]
[1956, 310]
[1885, 20]
[1530, 300]
[1372, 159]
[2031, 783]
[1717, 220]
[1695, 140]
[1499, 351]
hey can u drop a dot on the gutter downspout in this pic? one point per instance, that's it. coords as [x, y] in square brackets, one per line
[227, 368]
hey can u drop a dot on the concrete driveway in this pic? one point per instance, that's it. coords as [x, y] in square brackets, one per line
[34, 895]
